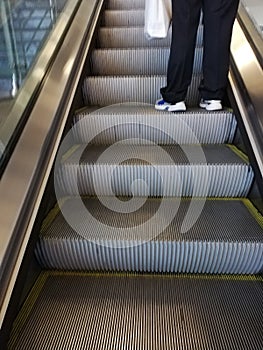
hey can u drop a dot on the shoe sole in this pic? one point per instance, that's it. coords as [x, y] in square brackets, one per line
[211, 109]
[161, 108]
[169, 109]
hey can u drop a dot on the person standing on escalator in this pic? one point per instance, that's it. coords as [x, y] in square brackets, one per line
[218, 20]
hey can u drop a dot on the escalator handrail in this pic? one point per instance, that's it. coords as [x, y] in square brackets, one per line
[246, 81]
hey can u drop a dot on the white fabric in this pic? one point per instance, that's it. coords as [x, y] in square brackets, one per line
[158, 15]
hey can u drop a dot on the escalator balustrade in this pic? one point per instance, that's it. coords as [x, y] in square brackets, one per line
[154, 243]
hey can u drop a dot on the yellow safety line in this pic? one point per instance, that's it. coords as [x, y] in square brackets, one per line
[27, 307]
[42, 279]
[109, 274]
[53, 213]
[72, 150]
[253, 211]
[239, 153]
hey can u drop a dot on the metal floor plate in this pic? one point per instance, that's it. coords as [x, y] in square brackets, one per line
[233, 220]
[85, 311]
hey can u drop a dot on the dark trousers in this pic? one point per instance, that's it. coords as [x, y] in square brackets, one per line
[218, 19]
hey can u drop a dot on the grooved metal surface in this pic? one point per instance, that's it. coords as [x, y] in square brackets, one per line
[125, 5]
[140, 61]
[127, 37]
[144, 123]
[226, 238]
[172, 170]
[108, 90]
[142, 312]
[126, 17]
[135, 154]
[84, 311]
[120, 18]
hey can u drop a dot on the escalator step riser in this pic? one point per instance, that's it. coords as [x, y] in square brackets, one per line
[200, 181]
[146, 124]
[172, 170]
[151, 61]
[133, 37]
[158, 257]
[125, 5]
[91, 233]
[127, 18]
[108, 90]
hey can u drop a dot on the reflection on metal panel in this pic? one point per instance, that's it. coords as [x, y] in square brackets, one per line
[251, 78]
[26, 175]
[254, 9]
[24, 27]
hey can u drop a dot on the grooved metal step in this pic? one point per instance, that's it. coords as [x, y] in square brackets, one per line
[141, 312]
[140, 61]
[120, 18]
[117, 37]
[108, 90]
[125, 5]
[189, 236]
[139, 223]
[125, 18]
[118, 122]
[151, 170]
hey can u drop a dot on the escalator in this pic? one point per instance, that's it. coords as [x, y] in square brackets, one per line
[154, 241]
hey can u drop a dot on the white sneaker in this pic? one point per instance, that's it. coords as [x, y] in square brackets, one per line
[211, 105]
[162, 105]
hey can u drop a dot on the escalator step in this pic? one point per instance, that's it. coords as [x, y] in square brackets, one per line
[188, 170]
[155, 235]
[132, 37]
[125, 5]
[125, 18]
[141, 312]
[108, 90]
[120, 18]
[120, 122]
[140, 61]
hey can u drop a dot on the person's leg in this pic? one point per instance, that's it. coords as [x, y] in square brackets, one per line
[186, 15]
[219, 16]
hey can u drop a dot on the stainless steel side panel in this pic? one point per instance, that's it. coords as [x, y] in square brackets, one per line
[27, 172]
[251, 76]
